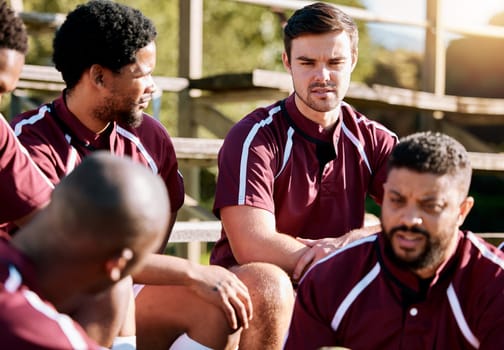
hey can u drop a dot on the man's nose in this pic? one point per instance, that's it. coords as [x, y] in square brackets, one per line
[411, 216]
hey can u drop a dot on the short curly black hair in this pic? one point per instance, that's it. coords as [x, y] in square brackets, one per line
[434, 153]
[100, 32]
[13, 34]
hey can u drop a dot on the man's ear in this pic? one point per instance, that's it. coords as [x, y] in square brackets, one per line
[96, 73]
[465, 208]
[116, 265]
[286, 63]
[355, 58]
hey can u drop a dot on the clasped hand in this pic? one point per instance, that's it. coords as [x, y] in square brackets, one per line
[225, 290]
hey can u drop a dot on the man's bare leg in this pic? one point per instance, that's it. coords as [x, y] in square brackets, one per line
[163, 313]
[273, 299]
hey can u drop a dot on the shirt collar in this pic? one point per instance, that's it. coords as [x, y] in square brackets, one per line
[308, 126]
[406, 278]
[21, 262]
[79, 130]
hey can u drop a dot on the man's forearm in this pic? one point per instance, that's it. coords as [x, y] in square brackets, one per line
[275, 248]
[161, 269]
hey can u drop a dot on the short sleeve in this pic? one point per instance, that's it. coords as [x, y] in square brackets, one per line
[246, 169]
[23, 186]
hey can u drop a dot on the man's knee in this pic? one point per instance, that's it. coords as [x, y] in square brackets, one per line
[273, 299]
[269, 286]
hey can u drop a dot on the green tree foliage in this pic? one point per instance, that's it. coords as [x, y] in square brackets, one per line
[237, 36]
[399, 68]
[240, 37]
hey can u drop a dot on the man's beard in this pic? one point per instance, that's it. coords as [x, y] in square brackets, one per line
[110, 111]
[131, 118]
[431, 256]
[319, 106]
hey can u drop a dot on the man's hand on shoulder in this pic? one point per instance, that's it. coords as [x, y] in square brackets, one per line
[320, 248]
[223, 288]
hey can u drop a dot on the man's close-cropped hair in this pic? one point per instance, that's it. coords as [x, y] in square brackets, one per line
[434, 153]
[319, 18]
[12, 31]
[100, 32]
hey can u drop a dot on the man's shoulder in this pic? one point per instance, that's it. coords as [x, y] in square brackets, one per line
[31, 120]
[355, 119]
[481, 266]
[483, 253]
[359, 255]
[28, 320]
[257, 121]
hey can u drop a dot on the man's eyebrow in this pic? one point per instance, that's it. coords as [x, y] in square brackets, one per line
[431, 198]
[395, 192]
[304, 58]
[142, 70]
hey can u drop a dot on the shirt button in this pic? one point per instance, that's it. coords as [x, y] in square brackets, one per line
[413, 311]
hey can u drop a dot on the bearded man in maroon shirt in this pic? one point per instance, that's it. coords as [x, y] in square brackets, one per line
[421, 283]
[106, 53]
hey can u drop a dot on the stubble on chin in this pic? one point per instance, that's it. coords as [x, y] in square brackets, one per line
[133, 119]
[318, 105]
[107, 113]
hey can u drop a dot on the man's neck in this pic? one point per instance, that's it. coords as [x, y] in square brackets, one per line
[326, 120]
[82, 109]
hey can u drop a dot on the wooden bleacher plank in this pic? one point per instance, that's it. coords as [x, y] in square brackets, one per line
[376, 94]
[196, 148]
[203, 148]
[49, 79]
[42, 21]
[487, 161]
[189, 231]
[209, 231]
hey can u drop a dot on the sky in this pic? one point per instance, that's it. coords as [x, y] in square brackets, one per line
[469, 12]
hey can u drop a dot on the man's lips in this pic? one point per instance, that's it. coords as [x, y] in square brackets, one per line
[322, 92]
[144, 102]
[408, 240]
[409, 237]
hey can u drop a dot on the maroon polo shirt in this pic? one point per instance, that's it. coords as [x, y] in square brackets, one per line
[58, 141]
[314, 181]
[27, 321]
[23, 187]
[359, 299]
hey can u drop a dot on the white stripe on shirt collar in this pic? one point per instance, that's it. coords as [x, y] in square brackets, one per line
[140, 146]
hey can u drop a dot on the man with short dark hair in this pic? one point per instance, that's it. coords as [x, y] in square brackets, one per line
[421, 283]
[101, 224]
[106, 53]
[294, 176]
[23, 188]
